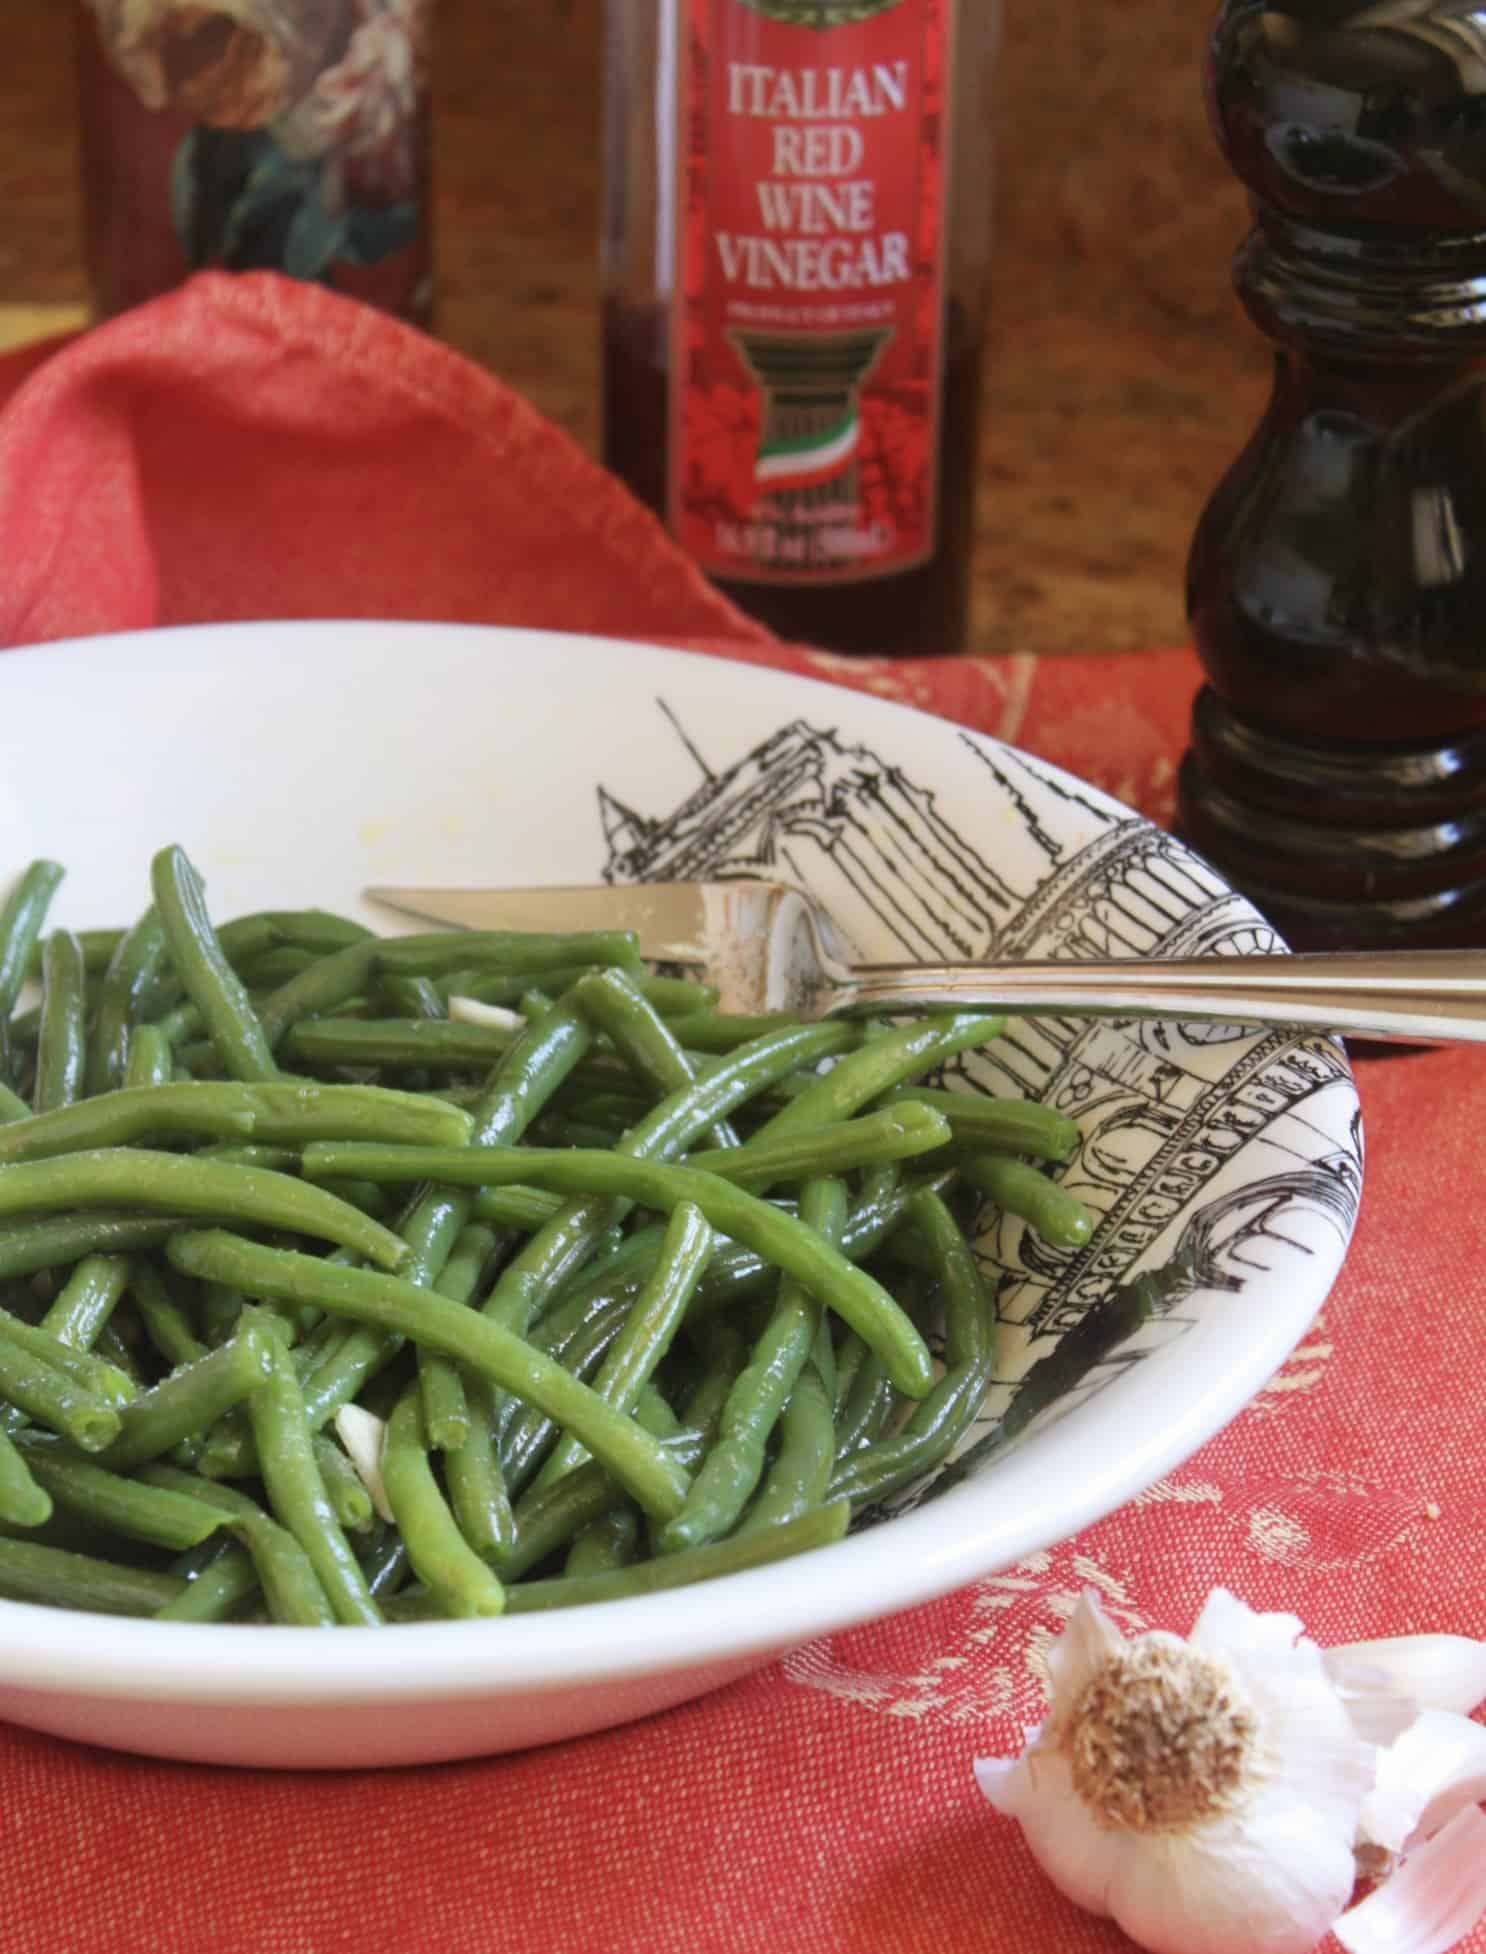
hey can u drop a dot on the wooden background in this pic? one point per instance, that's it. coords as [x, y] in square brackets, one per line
[1121, 378]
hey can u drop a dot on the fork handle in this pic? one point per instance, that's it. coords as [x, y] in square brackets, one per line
[1435, 997]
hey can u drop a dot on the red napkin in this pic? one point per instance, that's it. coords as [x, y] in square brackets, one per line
[250, 448]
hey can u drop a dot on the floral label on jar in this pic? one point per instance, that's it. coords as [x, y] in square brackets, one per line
[281, 135]
[810, 288]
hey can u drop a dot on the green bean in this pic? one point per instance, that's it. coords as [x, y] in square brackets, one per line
[87, 1300]
[64, 1239]
[296, 1491]
[217, 1591]
[22, 1502]
[1048, 1209]
[1012, 1125]
[12, 1106]
[548, 1519]
[21, 922]
[782, 1240]
[291, 1113]
[881, 1064]
[869, 1402]
[61, 1044]
[191, 1399]
[132, 969]
[343, 1487]
[900, 1133]
[88, 1372]
[165, 1323]
[448, 1417]
[59, 1579]
[815, 1529]
[54, 1399]
[147, 1179]
[128, 1506]
[729, 1474]
[477, 1488]
[210, 981]
[646, 1334]
[512, 952]
[935, 1426]
[307, 929]
[618, 1006]
[411, 997]
[801, 1473]
[290, 1584]
[440, 1555]
[712, 1031]
[322, 985]
[150, 1062]
[527, 1434]
[385, 1302]
[611, 1541]
[668, 994]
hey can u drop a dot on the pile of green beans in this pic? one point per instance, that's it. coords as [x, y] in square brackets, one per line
[327, 1299]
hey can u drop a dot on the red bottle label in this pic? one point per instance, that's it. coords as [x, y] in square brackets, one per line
[809, 308]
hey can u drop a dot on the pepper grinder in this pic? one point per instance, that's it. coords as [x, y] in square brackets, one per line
[1337, 580]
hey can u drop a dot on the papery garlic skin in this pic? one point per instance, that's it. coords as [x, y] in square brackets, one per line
[1228, 1832]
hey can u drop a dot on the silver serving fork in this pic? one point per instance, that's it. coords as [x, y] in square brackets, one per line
[767, 947]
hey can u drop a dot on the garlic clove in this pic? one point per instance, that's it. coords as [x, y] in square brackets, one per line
[1441, 1672]
[470, 1010]
[1379, 1709]
[1078, 1856]
[363, 1433]
[1272, 1882]
[1434, 1899]
[1435, 1769]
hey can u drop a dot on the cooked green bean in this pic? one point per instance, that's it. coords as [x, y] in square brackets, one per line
[87, 1300]
[54, 1399]
[322, 985]
[22, 1502]
[343, 1488]
[290, 1584]
[618, 1006]
[385, 1302]
[730, 1472]
[296, 1492]
[150, 1062]
[132, 969]
[899, 1133]
[291, 1113]
[610, 1541]
[114, 1177]
[61, 1043]
[645, 1337]
[936, 1426]
[512, 952]
[1048, 1209]
[88, 1372]
[800, 1476]
[61, 1240]
[191, 1399]
[59, 1579]
[165, 1323]
[441, 1557]
[128, 1506]
[12, 1106]
[783, 1241]
[549, 1519]
[816, 1529]
[21, 922]
[1009, 1125]
[880, 1064]
[210, 981]
[217, 1591]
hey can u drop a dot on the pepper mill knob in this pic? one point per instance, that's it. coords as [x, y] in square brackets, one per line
[1337, 580]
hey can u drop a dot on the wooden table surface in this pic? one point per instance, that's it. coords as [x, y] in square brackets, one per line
[1121, 379]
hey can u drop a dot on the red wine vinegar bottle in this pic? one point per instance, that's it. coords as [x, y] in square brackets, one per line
[795, 249]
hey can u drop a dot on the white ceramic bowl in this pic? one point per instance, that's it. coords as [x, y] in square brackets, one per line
[298, 763]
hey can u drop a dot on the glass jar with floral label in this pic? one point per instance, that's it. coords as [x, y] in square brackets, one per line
[282, 135]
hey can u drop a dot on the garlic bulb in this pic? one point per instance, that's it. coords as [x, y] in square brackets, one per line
[1218, 1796]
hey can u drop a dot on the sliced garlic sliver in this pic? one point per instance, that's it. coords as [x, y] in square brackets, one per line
[1441, 1672]
[1433, 1900]
[362, 1434]
[469, 1010]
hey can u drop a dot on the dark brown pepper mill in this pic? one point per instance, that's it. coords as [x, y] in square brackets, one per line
[1337, 580]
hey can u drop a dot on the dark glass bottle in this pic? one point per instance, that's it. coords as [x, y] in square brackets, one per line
[1337, 580]
[797, 196]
